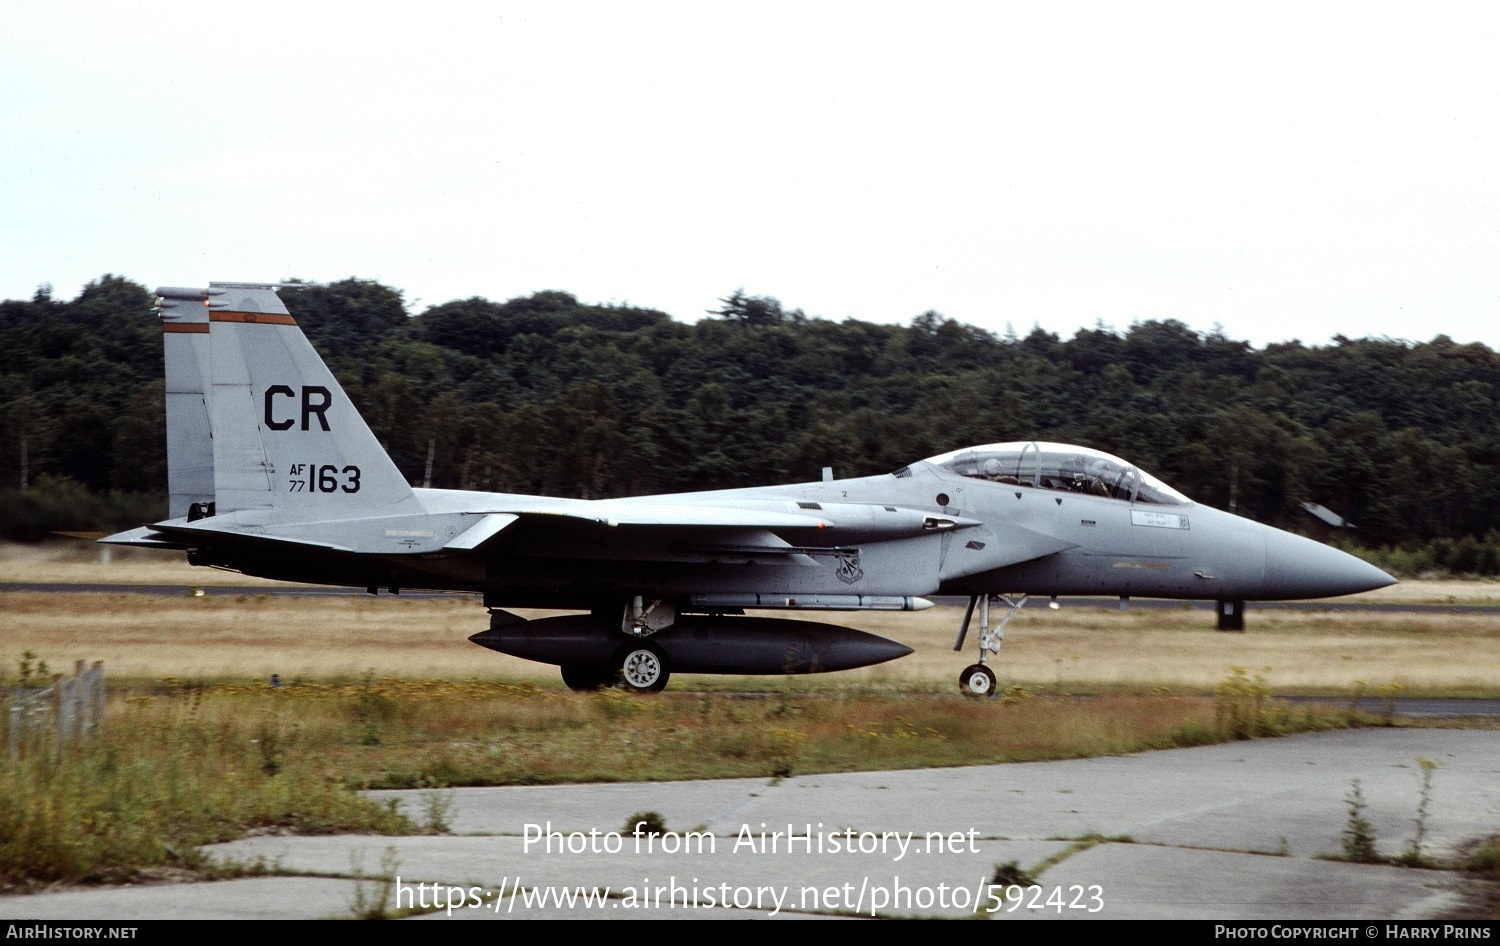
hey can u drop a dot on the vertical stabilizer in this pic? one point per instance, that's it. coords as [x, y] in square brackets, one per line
[288, 445]
[190, 451]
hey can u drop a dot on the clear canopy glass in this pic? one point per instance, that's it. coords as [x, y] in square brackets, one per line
[1061, 467]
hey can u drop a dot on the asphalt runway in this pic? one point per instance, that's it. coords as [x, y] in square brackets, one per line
[1226, 832]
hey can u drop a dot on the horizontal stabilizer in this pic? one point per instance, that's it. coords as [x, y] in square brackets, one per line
[224, 534]
[369, 535]
[482, 531]
[147, 537]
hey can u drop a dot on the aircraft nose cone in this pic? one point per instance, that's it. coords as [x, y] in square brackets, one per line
[1301, 568]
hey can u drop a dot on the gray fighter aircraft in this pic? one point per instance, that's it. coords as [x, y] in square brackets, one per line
[273, 473]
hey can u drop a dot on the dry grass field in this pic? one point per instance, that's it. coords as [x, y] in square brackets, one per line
[146, 638]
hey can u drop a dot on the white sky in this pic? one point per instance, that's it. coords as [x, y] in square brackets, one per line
[1285, 170]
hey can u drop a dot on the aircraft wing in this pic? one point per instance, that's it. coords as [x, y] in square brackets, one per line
[745, 525]
[691, 531]
[770, 524]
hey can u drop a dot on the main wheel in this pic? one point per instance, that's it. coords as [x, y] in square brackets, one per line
[977, 681]
[642, 667]
[587, 677]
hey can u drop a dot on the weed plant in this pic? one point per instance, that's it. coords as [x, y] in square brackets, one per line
[1414, 856]
[1012, 873]
[645, 823]
[1484, 861]
[1359, 834]
[374, 891]
[1240, 704]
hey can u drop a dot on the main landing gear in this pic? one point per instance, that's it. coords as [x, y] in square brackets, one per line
[978, 680]
[642, 667]
[638, 665]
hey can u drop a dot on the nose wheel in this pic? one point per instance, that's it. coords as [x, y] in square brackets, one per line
[977, 681]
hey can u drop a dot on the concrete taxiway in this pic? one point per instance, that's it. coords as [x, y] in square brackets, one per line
[1223, 832]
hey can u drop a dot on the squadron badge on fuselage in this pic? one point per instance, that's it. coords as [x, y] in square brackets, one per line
[849, 571]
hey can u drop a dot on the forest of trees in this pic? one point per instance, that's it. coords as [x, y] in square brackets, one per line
[545, 394]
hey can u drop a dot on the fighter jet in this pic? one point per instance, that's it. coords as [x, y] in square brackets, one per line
[273, 473]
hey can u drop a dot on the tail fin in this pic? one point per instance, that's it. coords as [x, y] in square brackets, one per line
[288, 445]
[190, 449]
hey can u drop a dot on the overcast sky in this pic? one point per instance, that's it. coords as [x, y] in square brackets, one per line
[1293, 170]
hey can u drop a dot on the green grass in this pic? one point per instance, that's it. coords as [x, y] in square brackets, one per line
[150, 790]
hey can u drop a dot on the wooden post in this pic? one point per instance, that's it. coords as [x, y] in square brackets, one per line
[83, 706]
[59, 707]
[99, 695]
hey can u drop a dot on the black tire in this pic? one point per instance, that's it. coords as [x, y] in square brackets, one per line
[978, 681]
[641, 667]
[584, 678]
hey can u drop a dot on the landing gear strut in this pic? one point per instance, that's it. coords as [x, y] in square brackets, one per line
[640, 665]
[977, 680]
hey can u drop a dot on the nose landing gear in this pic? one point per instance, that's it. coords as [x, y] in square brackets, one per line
[978, 681]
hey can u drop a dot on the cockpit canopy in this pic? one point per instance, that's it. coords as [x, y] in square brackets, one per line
[1062, 467]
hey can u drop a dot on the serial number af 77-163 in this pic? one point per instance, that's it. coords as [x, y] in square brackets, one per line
[325, 478]
[273, 472]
